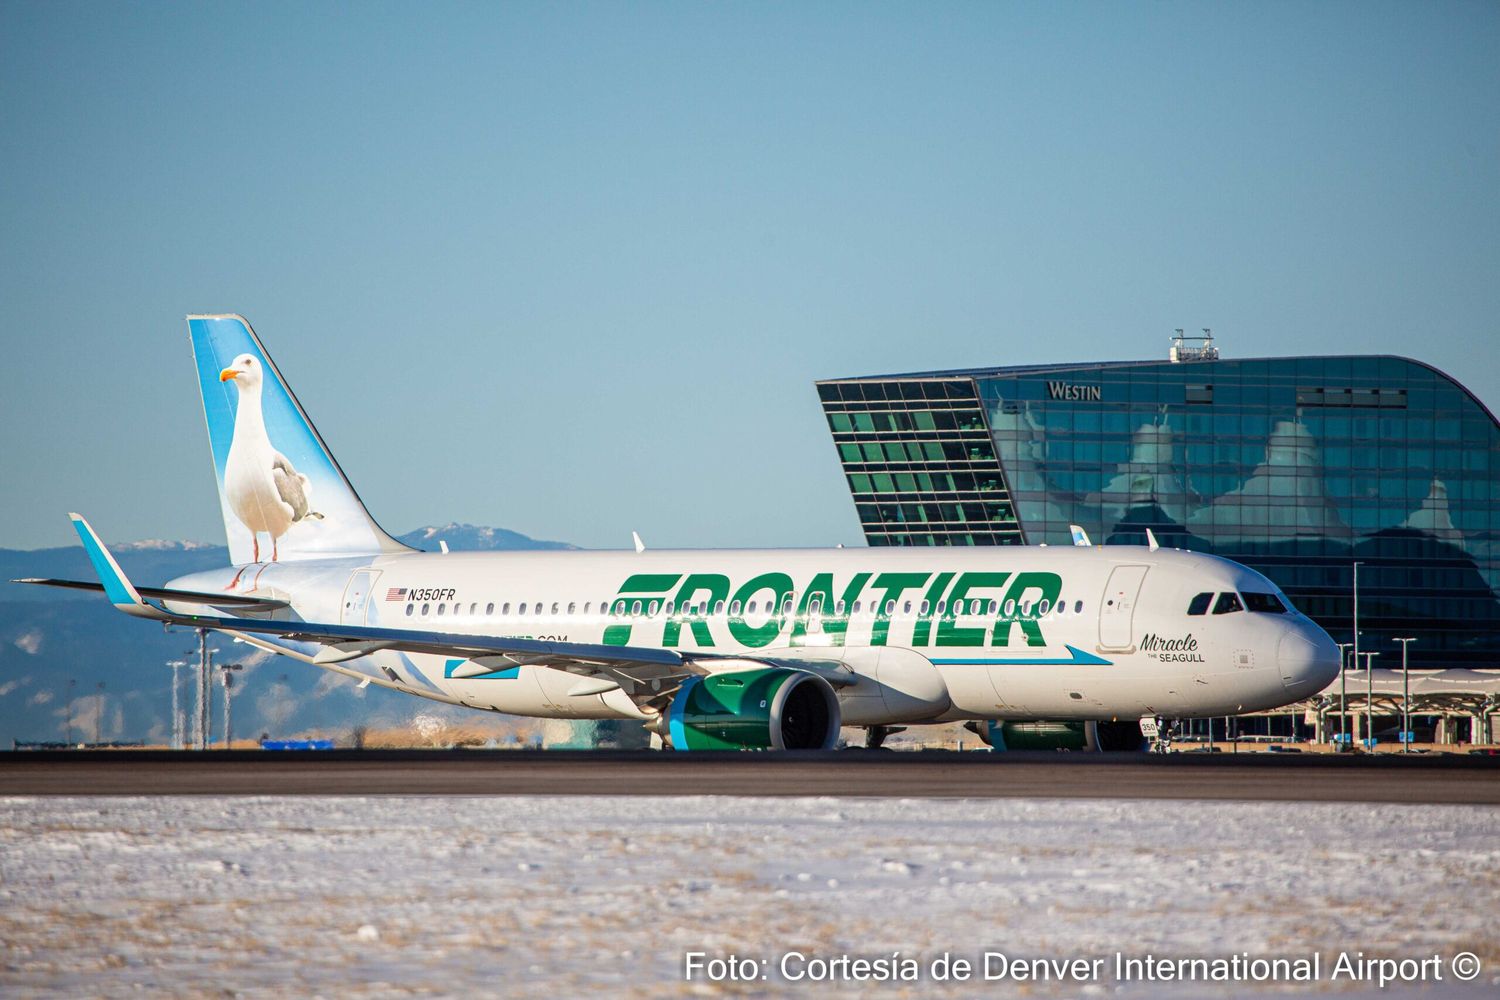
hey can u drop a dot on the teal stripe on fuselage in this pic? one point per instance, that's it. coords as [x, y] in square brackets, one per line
[1077, 658]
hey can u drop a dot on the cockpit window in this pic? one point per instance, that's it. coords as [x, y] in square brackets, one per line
[1199, 604]
[1228, 603]
[1268, 603]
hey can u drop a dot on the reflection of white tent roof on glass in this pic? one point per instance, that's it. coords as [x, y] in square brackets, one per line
[1023, 459]
[1023, 464]
[1152, 476]
[1433, 516]
[1292, 471]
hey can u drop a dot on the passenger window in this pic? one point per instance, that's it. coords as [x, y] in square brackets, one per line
[521, 611]
[786, 606]
[425, 609]
[572, 607]
[890, 608]
[906, 608]
[856, 607]
[1025, 609]
[1042, 608]
[1078, 607]
[994, 607]
[587, 605]
[554, 607]
[1228, 603]
[409, 609]
[505, 609]
[1265, 603]
[1010, 608]
[816, 607]
[635, 609]
[925, 608]
[474, 609]
[1199, 604]
[489, 609]
[838, 608]
[734, 609]
[718, 607]
[669, 608]
[751, 608]
[441, 609]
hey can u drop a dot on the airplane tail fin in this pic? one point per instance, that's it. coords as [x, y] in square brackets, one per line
[283, 495]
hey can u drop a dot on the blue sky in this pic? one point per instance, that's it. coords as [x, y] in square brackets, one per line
[572, 269]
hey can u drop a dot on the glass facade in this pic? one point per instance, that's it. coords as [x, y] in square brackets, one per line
[1298, 467]
[920, 462]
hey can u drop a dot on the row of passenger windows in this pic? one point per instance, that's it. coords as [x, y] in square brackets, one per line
[1230, 602]
[648, 609]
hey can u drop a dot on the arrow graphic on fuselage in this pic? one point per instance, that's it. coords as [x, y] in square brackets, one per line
[1075, 657]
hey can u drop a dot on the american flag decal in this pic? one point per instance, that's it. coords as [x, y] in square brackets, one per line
[396, 594]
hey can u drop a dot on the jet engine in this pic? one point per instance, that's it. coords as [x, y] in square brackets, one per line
[771, 708]
[1043, 735]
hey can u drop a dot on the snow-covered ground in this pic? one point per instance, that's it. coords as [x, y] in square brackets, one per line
[555, 896]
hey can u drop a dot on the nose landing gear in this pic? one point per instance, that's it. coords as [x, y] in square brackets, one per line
[1158, 732]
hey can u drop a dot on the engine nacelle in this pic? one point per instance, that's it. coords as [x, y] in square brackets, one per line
[1043, 735]
[770, 708]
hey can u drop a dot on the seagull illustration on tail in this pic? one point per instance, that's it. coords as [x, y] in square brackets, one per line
[261, 485]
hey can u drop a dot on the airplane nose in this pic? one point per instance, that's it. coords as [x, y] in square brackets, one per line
[1308, 663]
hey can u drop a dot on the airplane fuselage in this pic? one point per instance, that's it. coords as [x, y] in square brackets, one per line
[933, 635]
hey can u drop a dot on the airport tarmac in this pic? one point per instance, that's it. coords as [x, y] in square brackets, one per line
[1454, 780]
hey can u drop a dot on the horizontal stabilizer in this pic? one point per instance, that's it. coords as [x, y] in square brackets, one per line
[239, 602]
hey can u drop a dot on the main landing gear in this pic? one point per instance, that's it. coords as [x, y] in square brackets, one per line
[875, 735]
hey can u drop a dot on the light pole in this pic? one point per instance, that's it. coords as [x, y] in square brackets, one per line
[1405, 695]
[1356, 615]
[176, 665]
[1370, 700]
[226, 674]
[205, 656]
[1343, 691]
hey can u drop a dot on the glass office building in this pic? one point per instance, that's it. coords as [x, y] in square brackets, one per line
[1299, 467]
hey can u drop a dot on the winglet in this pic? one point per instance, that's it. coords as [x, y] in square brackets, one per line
[1080, 537]
[640, 546]
[116, 587]
[1151, 541]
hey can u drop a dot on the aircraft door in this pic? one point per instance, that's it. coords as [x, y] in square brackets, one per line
[355, 609]
[1117, 607]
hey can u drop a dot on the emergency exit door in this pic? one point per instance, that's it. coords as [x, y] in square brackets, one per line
[1117, 607]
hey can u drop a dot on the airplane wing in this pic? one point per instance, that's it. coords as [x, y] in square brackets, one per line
[247, 603]
[648, 676]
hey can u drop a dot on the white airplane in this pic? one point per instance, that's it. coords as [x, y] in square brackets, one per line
[715, 649]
